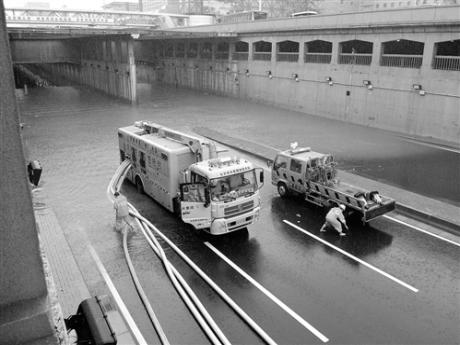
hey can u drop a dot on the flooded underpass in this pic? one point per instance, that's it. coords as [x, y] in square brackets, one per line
[73, 133]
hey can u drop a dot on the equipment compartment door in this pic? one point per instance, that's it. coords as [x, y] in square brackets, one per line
[195, 208]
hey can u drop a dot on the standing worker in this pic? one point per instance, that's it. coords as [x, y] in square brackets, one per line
[335, 219]
[122, 220]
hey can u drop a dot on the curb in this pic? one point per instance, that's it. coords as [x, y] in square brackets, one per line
[442, 223]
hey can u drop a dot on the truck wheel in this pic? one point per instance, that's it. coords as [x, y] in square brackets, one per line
[282, 190]
[139, 185]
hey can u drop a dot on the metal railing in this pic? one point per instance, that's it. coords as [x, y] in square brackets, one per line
[205, 55]
[222, 55]
[289, 57]
[355, 59]
[405, 61]
[264, 56]
[448, 63]
[318, 57]
[240, 56]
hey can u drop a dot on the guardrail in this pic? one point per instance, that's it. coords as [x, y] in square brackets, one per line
[288, 57]
[263, 56]
[318, 57]
[448, 63]
[355, 59]
[397, 60]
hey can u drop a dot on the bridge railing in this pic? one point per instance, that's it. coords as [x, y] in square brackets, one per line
[263, 56]
[355, 59]
[288, 57]
[448, 63]
[240, 56]
[318, 57]
[397, 60]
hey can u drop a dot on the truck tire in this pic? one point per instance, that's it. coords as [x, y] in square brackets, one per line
[283, 191]
[139, 185]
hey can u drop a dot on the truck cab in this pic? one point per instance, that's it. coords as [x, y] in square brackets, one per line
[227, 188]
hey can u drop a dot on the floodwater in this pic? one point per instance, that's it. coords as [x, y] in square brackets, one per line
[73, 133]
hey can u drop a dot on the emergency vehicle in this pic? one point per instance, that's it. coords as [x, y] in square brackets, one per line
[184, 174]
[313, 175]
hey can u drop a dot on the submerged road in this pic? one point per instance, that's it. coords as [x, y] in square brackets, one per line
[388, 283]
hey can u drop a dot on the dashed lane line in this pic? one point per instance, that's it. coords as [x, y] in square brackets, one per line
[275, 299]
[378, 270]
[421, 230]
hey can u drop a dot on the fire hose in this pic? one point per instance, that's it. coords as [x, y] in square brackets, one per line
[203, 318]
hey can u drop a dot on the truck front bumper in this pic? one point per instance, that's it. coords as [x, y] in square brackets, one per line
[225, 225]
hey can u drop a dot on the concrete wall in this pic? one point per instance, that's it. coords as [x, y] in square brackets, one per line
[391, 104]
[45, 51]
[25, 312]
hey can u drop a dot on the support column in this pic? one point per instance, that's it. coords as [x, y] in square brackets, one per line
[25, 312]
[132, 72]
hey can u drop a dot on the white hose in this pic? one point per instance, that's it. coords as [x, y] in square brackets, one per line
[204, 319]
[150, 237]
[117, 179]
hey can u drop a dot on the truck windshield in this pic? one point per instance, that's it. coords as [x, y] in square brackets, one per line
[231, 187]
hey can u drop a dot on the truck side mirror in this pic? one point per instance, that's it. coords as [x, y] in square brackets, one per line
[261, 176]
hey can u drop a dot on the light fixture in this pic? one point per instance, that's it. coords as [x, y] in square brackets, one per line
[416, 86]
[247, 73]
[295, 76]
[367, 82]
[422, 92]
[269, 74]
[328, 79]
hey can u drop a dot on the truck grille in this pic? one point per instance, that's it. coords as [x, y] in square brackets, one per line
[239, 209]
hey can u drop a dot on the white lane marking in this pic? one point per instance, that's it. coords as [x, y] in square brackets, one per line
[436, 146]
[421, 230]
[378, 270]
[121, 305]
[275, 299]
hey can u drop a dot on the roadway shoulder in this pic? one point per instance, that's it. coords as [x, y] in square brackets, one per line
[417, 206]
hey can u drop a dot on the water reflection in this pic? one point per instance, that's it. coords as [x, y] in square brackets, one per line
[362, 241]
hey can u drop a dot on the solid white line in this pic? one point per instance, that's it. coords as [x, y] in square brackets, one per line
[421, 230]
[288, 310]
[121, 305]
[436, 146]
[352, 257]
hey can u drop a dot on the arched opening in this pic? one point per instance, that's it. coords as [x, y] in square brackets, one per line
[355, 52]
[447, 55]
[262, 51]
[287, 51]
[402, 53]
[318, 51]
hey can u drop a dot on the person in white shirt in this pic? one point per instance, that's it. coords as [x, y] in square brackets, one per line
[122, 217]
[335, 219]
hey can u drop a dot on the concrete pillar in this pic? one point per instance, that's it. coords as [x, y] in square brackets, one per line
[301, 52]
[335, 52]
[132, 96]
[25, 313]
[428, 53]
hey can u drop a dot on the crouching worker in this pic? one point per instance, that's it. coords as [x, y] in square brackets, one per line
[122, 219]
[335, 219]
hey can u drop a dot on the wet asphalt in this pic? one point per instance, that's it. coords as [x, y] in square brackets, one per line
[73, 133]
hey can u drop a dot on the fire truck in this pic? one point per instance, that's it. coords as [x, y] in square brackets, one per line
[184, 174]
[313, 175]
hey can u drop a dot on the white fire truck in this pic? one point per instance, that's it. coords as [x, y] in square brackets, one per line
[300, 171]
[184, 174]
